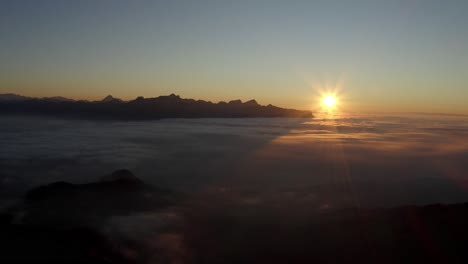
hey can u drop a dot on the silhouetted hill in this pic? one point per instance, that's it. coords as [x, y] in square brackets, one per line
[63, 222]
[120, 219]
[16, 98]
[58, 99]
[111, 99]
[119, 193]
[13, 97]
[171, 106]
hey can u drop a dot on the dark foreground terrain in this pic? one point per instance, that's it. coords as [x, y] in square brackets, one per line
[120, 219]
[171, 106]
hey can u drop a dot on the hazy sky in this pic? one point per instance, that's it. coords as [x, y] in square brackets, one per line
[383, 55]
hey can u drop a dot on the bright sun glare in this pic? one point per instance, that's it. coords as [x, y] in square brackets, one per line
[329, 101]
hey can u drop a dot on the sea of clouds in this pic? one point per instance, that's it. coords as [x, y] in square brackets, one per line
[328, 161]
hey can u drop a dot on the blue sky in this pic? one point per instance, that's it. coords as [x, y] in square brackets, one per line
[380, 55]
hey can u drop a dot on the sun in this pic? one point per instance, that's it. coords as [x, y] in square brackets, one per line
[329, 101]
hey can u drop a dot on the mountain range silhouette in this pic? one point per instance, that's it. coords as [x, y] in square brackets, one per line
[171, 106]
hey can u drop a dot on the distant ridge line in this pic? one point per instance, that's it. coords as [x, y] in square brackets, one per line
[166, 106]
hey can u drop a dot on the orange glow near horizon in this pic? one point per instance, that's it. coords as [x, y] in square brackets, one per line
[328, 97]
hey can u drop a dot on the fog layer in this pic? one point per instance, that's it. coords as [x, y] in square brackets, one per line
[328, 161]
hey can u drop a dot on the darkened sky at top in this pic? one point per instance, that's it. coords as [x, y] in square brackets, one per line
[382, 55]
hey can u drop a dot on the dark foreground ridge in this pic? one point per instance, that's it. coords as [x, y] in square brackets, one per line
[120, 219]
[171, 106]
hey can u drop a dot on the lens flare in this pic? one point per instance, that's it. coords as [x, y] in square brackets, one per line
[329, 98]
[329, 101]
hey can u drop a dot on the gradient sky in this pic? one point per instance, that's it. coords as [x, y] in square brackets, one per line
[382, 55]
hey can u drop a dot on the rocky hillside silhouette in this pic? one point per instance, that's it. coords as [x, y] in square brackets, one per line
[115, 194]
[121, 219]
[66, 223]
[171, 106]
